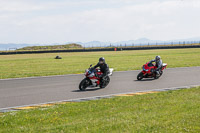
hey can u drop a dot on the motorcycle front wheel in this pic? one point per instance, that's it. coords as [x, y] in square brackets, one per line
[84, 84]
[140, 76]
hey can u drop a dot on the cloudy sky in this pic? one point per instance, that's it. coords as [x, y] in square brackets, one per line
[60, 21]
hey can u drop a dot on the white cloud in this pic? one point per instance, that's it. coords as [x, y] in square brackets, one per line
[52, 21]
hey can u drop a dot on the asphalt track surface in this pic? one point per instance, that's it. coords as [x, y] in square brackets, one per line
[20, 92]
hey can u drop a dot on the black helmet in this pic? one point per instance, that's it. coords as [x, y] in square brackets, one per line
[101, 60]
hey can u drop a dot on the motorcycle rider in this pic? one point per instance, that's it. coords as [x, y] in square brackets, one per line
[103, 67]
[159, 64]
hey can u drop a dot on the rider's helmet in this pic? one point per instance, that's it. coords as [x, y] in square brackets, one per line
[157, 58]
[102, 60]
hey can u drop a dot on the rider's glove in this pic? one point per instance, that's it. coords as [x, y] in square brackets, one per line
[89, 72]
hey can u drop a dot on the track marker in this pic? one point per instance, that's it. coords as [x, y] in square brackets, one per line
[39, 106]
[138, 93]
[126, 94]
[62, 103]
[24, 108]
[34, 107]
[45, 105]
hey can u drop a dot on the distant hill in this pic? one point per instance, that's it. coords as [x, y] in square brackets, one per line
[141, 41]
[52, 47]
[13, 46]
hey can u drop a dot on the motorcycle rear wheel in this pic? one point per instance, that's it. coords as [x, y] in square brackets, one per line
[84, 84]
[105, 82]
[161, 73]
[158, 76]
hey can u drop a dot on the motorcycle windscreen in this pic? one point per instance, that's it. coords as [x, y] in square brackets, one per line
[146, 67]
[150, 64]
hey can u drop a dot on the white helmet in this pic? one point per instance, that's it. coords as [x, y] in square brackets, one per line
[158, 58]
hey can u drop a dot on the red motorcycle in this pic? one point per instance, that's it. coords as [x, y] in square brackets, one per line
[92, 79]
[149, 71]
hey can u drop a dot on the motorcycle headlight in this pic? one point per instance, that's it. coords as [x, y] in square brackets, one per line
[145, 69]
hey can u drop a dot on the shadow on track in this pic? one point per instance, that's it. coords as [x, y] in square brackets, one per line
[95, 89]
[150, 79]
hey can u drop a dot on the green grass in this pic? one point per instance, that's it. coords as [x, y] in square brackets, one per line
[28, 65]
[171, 111]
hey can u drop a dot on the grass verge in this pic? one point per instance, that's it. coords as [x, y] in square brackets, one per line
[171, 111]
[29, 65]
